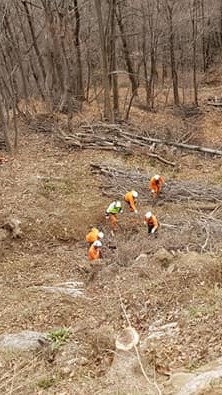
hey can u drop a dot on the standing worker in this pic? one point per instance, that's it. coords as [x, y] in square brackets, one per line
[94, 235]
[112, 211]
[131, 199]
[156, 184]
[151, 222]
[94, 252]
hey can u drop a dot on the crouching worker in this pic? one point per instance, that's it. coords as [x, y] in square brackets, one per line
[94, 252]
[131, 199]
[94, 235]
[156, 184]
[151, 222]
[112, 211]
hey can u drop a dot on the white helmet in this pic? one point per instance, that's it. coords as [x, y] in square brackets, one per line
[100, 235]
[97, 243]
[157, 177]
[148, 214]
[118, 204]
[135, 194]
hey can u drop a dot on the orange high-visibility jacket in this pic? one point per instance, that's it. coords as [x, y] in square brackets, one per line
[155, 185]
[152, 221]
[131, 200]
[92, 235]
[94, 253]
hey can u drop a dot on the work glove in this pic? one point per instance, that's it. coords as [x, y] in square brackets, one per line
[153, 230]
[145, 223]
[136, 211]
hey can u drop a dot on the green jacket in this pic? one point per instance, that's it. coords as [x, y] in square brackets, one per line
[112, 209]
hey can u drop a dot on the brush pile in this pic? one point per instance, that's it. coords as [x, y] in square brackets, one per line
[117, 181]
[127, 139]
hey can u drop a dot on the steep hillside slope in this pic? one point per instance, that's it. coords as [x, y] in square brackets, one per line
[173, 279]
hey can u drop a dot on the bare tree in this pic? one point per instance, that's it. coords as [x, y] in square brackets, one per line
[193, 15]
[126, 51]
[170, 7]
[108, 113]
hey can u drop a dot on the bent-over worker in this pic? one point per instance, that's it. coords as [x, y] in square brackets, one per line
[131, 199]
[112, 211]
[94, 235]
[94, 252]
[156, 184]
[151, 222]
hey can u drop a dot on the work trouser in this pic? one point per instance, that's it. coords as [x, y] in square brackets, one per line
[113, 220]
[130, 207]
[156, 191]
[150, 227]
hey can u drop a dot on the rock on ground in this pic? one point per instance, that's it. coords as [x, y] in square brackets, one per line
[24, 341]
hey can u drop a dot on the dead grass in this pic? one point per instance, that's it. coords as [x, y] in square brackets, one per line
[55, 216]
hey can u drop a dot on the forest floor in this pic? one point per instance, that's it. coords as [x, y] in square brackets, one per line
[54, 194]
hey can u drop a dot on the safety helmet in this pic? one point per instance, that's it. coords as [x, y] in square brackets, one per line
[100, 235]
[148, 214]
[97, 243]
[157, 177]
[135, 194]
[118, 204]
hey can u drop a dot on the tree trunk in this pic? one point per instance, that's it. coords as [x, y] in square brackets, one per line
[203, 36]
[129, 65]
[4, 124]
[17, 54]
[108, 114]
[194, 39]
[80, 90]
[35, 45]
[172, 58]
[114, 76]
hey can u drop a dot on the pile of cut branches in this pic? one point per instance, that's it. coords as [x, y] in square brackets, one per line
[124, 138]
[118, 181]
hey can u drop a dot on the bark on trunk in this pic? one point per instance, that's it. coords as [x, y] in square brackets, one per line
[108, 114]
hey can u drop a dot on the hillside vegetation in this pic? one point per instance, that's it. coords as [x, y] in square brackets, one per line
[172, 279]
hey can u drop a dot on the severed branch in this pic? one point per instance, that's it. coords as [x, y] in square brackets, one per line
[207, 239]
[190, 147]
[161, 159]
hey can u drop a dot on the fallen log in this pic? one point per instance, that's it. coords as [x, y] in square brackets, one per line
[161, 159]
[190, 147]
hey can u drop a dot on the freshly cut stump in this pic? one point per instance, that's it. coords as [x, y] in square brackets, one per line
[127, 339]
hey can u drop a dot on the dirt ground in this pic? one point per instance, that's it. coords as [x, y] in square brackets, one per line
[52, 191]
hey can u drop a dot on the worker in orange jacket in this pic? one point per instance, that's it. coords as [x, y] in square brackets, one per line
[94, 235]
[131, 199]
[151, 222]
[156, 184]
[94, 252]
